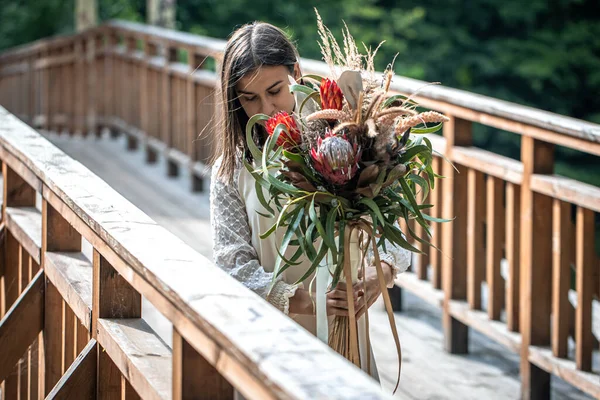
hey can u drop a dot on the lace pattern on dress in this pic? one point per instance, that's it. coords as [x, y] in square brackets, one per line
[232, 242]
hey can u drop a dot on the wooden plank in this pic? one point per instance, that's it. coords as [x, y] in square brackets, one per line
[535, 259]
[10, 276]
[71, 273]
[141, 356]
[585, 258]
[79, 381]
[25, 223]
[21, 325]
[480, 321]
[52, 337]
[561, 276]
[193, 376]
[424, 290]
[68, 336]
[457, 133]
[127, 391]
[476, 198]
[113, 296]
[489, 163]
[565, 369]
[24, 177]
[512, 243]
[494, 246]
[436, 228]
[568, 190]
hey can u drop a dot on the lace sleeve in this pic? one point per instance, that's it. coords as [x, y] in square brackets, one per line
[397, 257]
[232, 245]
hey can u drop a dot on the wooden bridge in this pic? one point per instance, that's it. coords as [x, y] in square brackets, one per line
[517, 265]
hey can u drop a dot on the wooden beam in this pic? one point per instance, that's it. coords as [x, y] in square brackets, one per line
[535, 261]
[584, 262]
[454, 263]
[139, 354]
[79, 381]
[476, 198]
[71, 273]
[21, 325]
[512, 243]
[561, 276]
[25, 223]
[193, 376]
[494, 245]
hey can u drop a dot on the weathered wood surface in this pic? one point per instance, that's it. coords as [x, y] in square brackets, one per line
[21, 325]
[143, 358]
[25, 223]
[489, 371]
[257, 340]
[79, 380]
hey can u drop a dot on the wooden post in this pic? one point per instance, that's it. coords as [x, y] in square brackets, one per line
[494, 246]
[561, 276]
[195, 61]
[513, 234]
[584, 262]
[193, 376]
[454, 280]
[57, 236]
[166, 126]
[536, 258]
[112, 297]
[127, 112]
[476, 196]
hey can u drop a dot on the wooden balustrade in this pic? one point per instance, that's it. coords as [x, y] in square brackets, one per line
[74, 327]
[519, 231]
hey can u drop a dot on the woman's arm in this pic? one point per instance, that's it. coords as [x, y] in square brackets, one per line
[232, 245]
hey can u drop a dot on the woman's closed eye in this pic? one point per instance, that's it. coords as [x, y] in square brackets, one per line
[250, 98]
[274, 92]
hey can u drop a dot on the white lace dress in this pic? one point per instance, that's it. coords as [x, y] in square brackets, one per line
[238, 249]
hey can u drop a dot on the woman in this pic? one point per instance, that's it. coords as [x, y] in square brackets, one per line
[256, 66]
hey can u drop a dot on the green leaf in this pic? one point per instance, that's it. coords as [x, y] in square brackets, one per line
[431, 129]
[313, 96]
[282, 186]
[373, 206]
[394, 235]
[419, 180]
[301, 88]
[322, 252]
[316, 220]
[411, 198]
[261, 197]
[317, 78]
[330, 230]
[412, 152]
[255, 151]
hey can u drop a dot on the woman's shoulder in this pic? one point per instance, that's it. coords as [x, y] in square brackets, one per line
[216, 174]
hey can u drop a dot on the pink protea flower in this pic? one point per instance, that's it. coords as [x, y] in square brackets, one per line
[287, 139]
[335, 158]
[331, 95]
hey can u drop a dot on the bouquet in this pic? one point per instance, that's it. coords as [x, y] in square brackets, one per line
[340, 172]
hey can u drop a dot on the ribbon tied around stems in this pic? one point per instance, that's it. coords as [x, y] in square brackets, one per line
[365, 236]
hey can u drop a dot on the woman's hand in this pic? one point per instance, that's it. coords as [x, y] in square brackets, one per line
[337, 300]
[369, 287]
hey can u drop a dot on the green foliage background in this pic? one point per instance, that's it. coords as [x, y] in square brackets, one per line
[542, 53]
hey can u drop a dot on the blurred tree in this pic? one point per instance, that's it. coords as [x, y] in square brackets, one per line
[86, 14]
[161, 13]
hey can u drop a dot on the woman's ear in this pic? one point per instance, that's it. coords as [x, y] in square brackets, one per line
[297, 73]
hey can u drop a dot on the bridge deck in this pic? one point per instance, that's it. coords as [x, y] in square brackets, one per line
[488, 372]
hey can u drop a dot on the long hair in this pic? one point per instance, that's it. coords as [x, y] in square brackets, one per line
[249, 48]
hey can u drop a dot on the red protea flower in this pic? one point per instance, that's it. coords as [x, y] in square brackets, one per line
[331, 95]
[287, 139]
[335, 158]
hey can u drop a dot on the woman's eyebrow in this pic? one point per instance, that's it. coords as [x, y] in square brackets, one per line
[269, 88]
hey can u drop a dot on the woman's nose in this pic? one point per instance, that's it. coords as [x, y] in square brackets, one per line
[268, 108]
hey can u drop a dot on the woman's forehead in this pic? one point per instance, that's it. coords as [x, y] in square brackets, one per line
[262, 78]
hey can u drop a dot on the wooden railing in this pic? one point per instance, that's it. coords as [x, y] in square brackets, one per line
[506, 260]
[74, 327]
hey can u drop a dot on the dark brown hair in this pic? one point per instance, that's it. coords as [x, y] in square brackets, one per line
[249, 48]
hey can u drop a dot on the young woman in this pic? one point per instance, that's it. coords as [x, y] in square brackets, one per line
[256, 65]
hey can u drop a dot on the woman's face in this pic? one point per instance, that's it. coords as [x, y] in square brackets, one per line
[265, 91]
